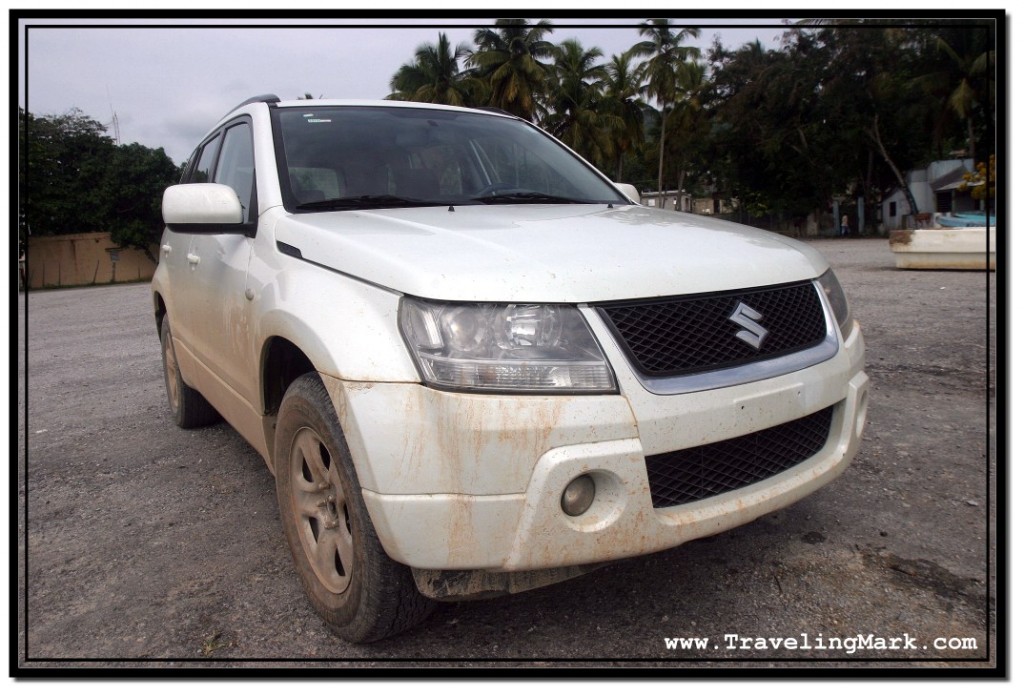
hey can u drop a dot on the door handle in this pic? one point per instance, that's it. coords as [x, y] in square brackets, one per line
[192, 258]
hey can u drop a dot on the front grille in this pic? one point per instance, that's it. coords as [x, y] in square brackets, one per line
[682, 335]
[701, 472]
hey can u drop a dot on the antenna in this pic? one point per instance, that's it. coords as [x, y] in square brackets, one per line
[114, 125]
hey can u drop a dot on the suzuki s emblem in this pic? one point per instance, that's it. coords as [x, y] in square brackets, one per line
[747, 317]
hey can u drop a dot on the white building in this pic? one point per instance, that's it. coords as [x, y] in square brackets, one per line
[670, 200]
[935, 191]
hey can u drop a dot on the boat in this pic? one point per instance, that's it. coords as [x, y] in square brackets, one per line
[965, 247]
[970, 219]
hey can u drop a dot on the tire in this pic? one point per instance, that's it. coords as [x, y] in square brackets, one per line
[352, 584]
[188, 407]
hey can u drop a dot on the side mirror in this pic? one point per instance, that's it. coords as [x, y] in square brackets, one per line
[629, 191]
[201, 204]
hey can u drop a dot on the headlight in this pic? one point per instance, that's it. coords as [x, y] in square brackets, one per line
[504, 347]
[834, 292]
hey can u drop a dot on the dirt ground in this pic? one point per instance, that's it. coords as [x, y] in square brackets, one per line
[150, 546]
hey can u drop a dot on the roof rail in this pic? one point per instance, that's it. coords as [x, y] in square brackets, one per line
[495, 110]
[266, 98]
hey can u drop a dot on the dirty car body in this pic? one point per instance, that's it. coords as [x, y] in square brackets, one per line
[474, 365]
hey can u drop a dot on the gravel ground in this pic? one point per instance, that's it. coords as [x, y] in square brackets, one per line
[150, 546]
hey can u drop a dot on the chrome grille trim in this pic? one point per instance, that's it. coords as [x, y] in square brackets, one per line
[742, 374]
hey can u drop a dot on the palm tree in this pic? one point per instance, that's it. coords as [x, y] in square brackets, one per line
[508, 59]
[622, 95]
[666, 54]
[965, 78]
[434, 76]
[575, 101]
[688, 119]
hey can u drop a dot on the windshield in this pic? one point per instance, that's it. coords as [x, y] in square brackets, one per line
[357, 157]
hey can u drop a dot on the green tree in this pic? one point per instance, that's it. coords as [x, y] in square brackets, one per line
[435, 76]
[73, 178]
[687, 126]
[64, 159]
[834, 112]
[762, 147]
[508, 58]
[576, 104]
[622, 87]
[870, 98]
[133, 192]
[958, 68]
[774, 142]
[666, 54]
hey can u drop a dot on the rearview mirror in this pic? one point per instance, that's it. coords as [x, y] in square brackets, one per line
[201, 204]
[629, 191]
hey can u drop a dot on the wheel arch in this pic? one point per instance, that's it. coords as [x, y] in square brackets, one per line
[159, 310]
[283, 359]
[355, 337]
[281, 363]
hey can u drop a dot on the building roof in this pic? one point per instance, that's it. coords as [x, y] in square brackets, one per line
[950, 181]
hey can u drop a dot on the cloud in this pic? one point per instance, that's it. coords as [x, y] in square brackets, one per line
[168, 85]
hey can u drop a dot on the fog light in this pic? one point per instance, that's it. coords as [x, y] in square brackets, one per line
[578, 495]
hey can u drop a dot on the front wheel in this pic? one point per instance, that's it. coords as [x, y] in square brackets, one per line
[359, 591]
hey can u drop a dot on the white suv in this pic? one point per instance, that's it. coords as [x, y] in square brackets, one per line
[474, 365]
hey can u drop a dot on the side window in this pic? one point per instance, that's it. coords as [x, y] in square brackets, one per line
[236, 167]
[203, 173]
[184, 179]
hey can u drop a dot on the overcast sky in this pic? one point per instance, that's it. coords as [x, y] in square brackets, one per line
[169, 81]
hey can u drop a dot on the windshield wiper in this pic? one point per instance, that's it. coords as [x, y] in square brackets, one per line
[365, 202]
[527, 197]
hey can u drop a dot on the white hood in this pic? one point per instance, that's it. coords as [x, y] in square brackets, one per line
[546, 253]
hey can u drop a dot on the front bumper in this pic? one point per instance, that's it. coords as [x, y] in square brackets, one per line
[464, 481]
